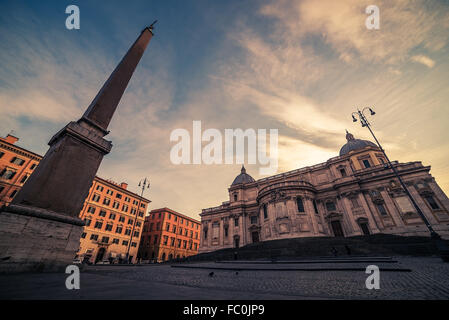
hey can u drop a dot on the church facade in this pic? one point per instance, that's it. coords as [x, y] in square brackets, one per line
[355, 193]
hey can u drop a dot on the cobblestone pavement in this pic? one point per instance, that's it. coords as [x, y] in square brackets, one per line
[429, 279]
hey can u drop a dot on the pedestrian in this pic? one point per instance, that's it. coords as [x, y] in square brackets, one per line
[348, 250]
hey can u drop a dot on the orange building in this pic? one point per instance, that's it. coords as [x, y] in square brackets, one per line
[110, 211]
[168, 235]
[114, 218]
[16, 165]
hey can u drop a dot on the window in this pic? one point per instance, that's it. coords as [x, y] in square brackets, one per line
[7, 174]
[165, 240]
[24, 178]
[180, 230]
[1, 189]
[172, 241]
[141, 213]
[99, 188]
[167, 227]
[174, 229]
[184, 244]
[94, 237]
[83, 236]
[118, 229]
[235, 197]
[125, 208]
[133, 211]
[432, 203]
[108, 227]
[226, 231]
[91, 210]
[138, 224]
[133, 244]
[315, 207]
[109, 192]
[155, 239]
[1, 154]
[102, 213]
[115, 241]
[125, 242]
[366, 163]
[96, 197]
[355, 203]
[253, 219]
[236, 221]
[33, 166]
[98, 224]
[158, 226]
[196, 246]
[121, 219]
[13, 193]
[87, 221]
[179, 243]
[135, 202]
[142, 205]
[127, 232]
[343, 172]
[265, 212]
[17, 161]
[127, 199]
[381, 209]
[112, 216]
[130, 221]
[205, 234]
[106, 201]
[300, 204]
[116, 205]
[330, 206]
[136, 233]
[118, 195]
[105, 239]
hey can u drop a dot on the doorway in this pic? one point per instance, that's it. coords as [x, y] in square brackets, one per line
[365, 229]
[337, 229]
[236, 242]
[100, 255]
[255, 236]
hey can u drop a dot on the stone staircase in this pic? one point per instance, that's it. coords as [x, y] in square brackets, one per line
[372, 245]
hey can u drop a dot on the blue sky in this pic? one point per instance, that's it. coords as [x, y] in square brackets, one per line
[301, 67]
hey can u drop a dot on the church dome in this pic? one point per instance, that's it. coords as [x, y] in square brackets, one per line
[354, 144]
[243, 177]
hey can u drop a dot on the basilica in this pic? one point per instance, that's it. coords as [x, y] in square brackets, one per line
[355, 193]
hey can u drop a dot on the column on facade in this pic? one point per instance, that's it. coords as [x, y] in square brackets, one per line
[348, 215]
[392, 209]
[423, 206]
[310, 211]
[371, 212]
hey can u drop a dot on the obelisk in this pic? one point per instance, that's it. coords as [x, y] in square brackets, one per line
[40, 230]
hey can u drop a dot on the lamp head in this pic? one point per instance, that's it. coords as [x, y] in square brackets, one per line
[354, 119]
[372, 112]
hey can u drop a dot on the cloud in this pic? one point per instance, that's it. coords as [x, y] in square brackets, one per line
[424, 60]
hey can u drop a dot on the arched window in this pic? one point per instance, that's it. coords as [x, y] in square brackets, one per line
[300, 204]
[315, 207]
[265, 211]
[235, 197]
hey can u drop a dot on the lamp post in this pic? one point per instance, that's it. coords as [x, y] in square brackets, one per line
[441, 245]
[145, 184]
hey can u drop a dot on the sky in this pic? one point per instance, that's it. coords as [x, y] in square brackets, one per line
[301, 67]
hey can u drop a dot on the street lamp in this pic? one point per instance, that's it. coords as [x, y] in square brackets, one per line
[440, 244]
[144, 184]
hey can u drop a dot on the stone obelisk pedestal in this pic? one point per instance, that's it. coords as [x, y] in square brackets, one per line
[40, 229]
